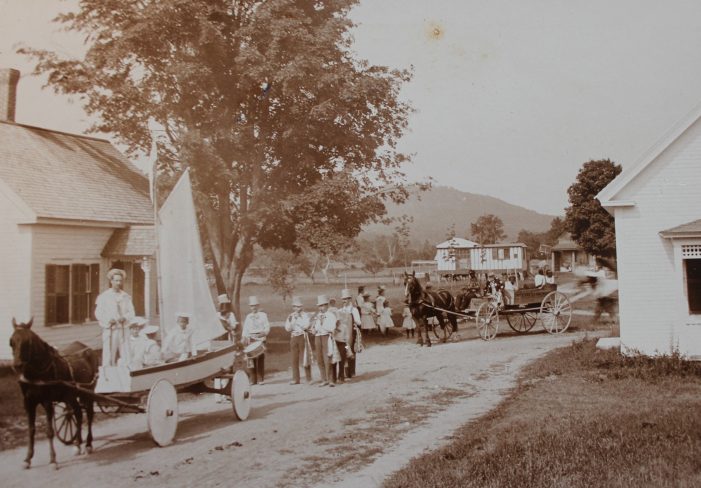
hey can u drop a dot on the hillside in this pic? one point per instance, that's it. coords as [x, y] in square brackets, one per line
[442, 206]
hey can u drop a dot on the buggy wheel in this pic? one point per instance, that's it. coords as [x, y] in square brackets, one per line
[241, 395]
[522, 322]
[555, 312]
[487, 321]
[162, 412]
[65, 423]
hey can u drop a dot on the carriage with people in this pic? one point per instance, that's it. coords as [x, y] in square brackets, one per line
[70, 381]
[521, 307]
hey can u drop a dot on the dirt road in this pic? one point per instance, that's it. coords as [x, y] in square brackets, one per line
[405, 399]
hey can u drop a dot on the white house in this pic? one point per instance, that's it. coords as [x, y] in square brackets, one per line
[456, 255]
[71, 207]
[657, 207]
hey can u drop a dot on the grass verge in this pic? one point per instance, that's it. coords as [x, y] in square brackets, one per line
[579, 417]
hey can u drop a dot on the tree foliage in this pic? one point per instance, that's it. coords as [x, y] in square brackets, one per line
[533, 240]
[591, 226]
[287, 134]
[487, 229]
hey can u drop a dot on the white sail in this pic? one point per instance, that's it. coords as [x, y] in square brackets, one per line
[184, 286]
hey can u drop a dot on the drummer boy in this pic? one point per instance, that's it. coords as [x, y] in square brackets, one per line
[256, 328]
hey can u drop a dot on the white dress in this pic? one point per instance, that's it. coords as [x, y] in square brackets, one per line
[408, 322]
[384, 314]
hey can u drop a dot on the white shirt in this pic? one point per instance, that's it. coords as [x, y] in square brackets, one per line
[113, 305]
[179, 342]
[539, 280]
[256, 326]
[297, 323]
[324, 323]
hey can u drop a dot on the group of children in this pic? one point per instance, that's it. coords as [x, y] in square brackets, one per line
[144, 350]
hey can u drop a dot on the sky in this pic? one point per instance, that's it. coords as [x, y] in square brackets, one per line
[510, 98]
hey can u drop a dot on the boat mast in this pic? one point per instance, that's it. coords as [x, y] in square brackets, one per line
[154, 202]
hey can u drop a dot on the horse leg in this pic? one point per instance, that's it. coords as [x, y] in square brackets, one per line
[30, 407]
[425, 331]
[49, 409]
[90, 412]
[78, 412]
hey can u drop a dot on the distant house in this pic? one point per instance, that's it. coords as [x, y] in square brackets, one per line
[566, 254]
[71, 207]
[458, 255]
[657, 207]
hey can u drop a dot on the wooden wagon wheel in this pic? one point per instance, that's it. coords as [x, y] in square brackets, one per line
[65, 423]
[162, 412]
[522, 322]
[241, 395]
[487, 321]
[556, 312]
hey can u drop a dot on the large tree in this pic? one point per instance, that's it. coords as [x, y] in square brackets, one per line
[487, 229]
[591, 226]
[286, 132]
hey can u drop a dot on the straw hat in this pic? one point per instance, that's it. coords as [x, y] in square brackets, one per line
[150, 329]
[185, 315]
[137, 322]
[253, 300]
[223, 298]
[116, 271]
[346, 293]
[296, 302]
[322, 300]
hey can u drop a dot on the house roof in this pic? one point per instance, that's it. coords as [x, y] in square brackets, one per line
[72, 177]
[138, 240]
[607, 196]
[690, 229]
[456, 243]
[566, 243]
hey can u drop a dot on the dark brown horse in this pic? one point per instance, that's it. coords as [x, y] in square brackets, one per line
[425, 303]
[43, 375]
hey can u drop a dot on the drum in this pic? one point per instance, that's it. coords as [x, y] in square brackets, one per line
[254, 349]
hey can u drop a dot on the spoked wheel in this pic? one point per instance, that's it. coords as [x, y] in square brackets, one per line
[65, 423]
[162, 412]
[522, 322]
[487, 321]
[241, 395]
[556, 312]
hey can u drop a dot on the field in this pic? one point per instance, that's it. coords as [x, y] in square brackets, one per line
[580, 417]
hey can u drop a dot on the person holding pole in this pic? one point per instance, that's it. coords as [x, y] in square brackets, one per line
[114, 311]
[297, 324]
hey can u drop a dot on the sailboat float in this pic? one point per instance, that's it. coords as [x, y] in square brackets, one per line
[182, 285]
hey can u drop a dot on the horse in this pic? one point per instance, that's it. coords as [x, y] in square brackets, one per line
[423, 304]
[45, 377]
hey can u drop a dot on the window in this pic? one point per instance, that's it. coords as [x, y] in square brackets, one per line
[71, 292]
[693, 284]
[501, 253]
[514, 253]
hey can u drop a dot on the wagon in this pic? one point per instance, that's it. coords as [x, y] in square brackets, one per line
[552, 307]
[154, 391]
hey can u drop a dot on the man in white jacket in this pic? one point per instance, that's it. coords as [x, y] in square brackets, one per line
[323, 326]
[297, 324]
[114, 312]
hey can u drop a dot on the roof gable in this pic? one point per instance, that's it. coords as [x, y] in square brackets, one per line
[74, 177]
[456, 242]
[607, 196]
[690, 229]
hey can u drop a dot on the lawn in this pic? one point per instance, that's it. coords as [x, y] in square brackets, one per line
[580, 417]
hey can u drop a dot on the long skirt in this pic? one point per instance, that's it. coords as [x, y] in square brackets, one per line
[367, 322]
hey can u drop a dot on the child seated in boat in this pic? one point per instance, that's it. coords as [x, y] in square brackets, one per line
[144, 351]
[178, 342]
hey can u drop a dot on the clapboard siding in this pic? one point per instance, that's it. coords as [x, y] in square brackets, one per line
[653, 309]
[15, 258]
[63, 245]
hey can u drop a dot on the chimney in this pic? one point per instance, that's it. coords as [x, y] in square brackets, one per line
[8, 94]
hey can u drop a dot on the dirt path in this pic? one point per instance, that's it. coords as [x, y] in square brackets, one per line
[404, 400]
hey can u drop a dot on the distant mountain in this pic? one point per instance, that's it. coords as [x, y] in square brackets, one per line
[441, 206]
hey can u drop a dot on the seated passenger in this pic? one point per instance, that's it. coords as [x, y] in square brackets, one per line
[510, 288]
[549, 278]
[178, 342]
[540, 279]
[494, 288]
[135, 344]
[152, 351]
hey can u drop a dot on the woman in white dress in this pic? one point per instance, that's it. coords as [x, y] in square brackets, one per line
[408, 323]
[367, 312]
[384, 313]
